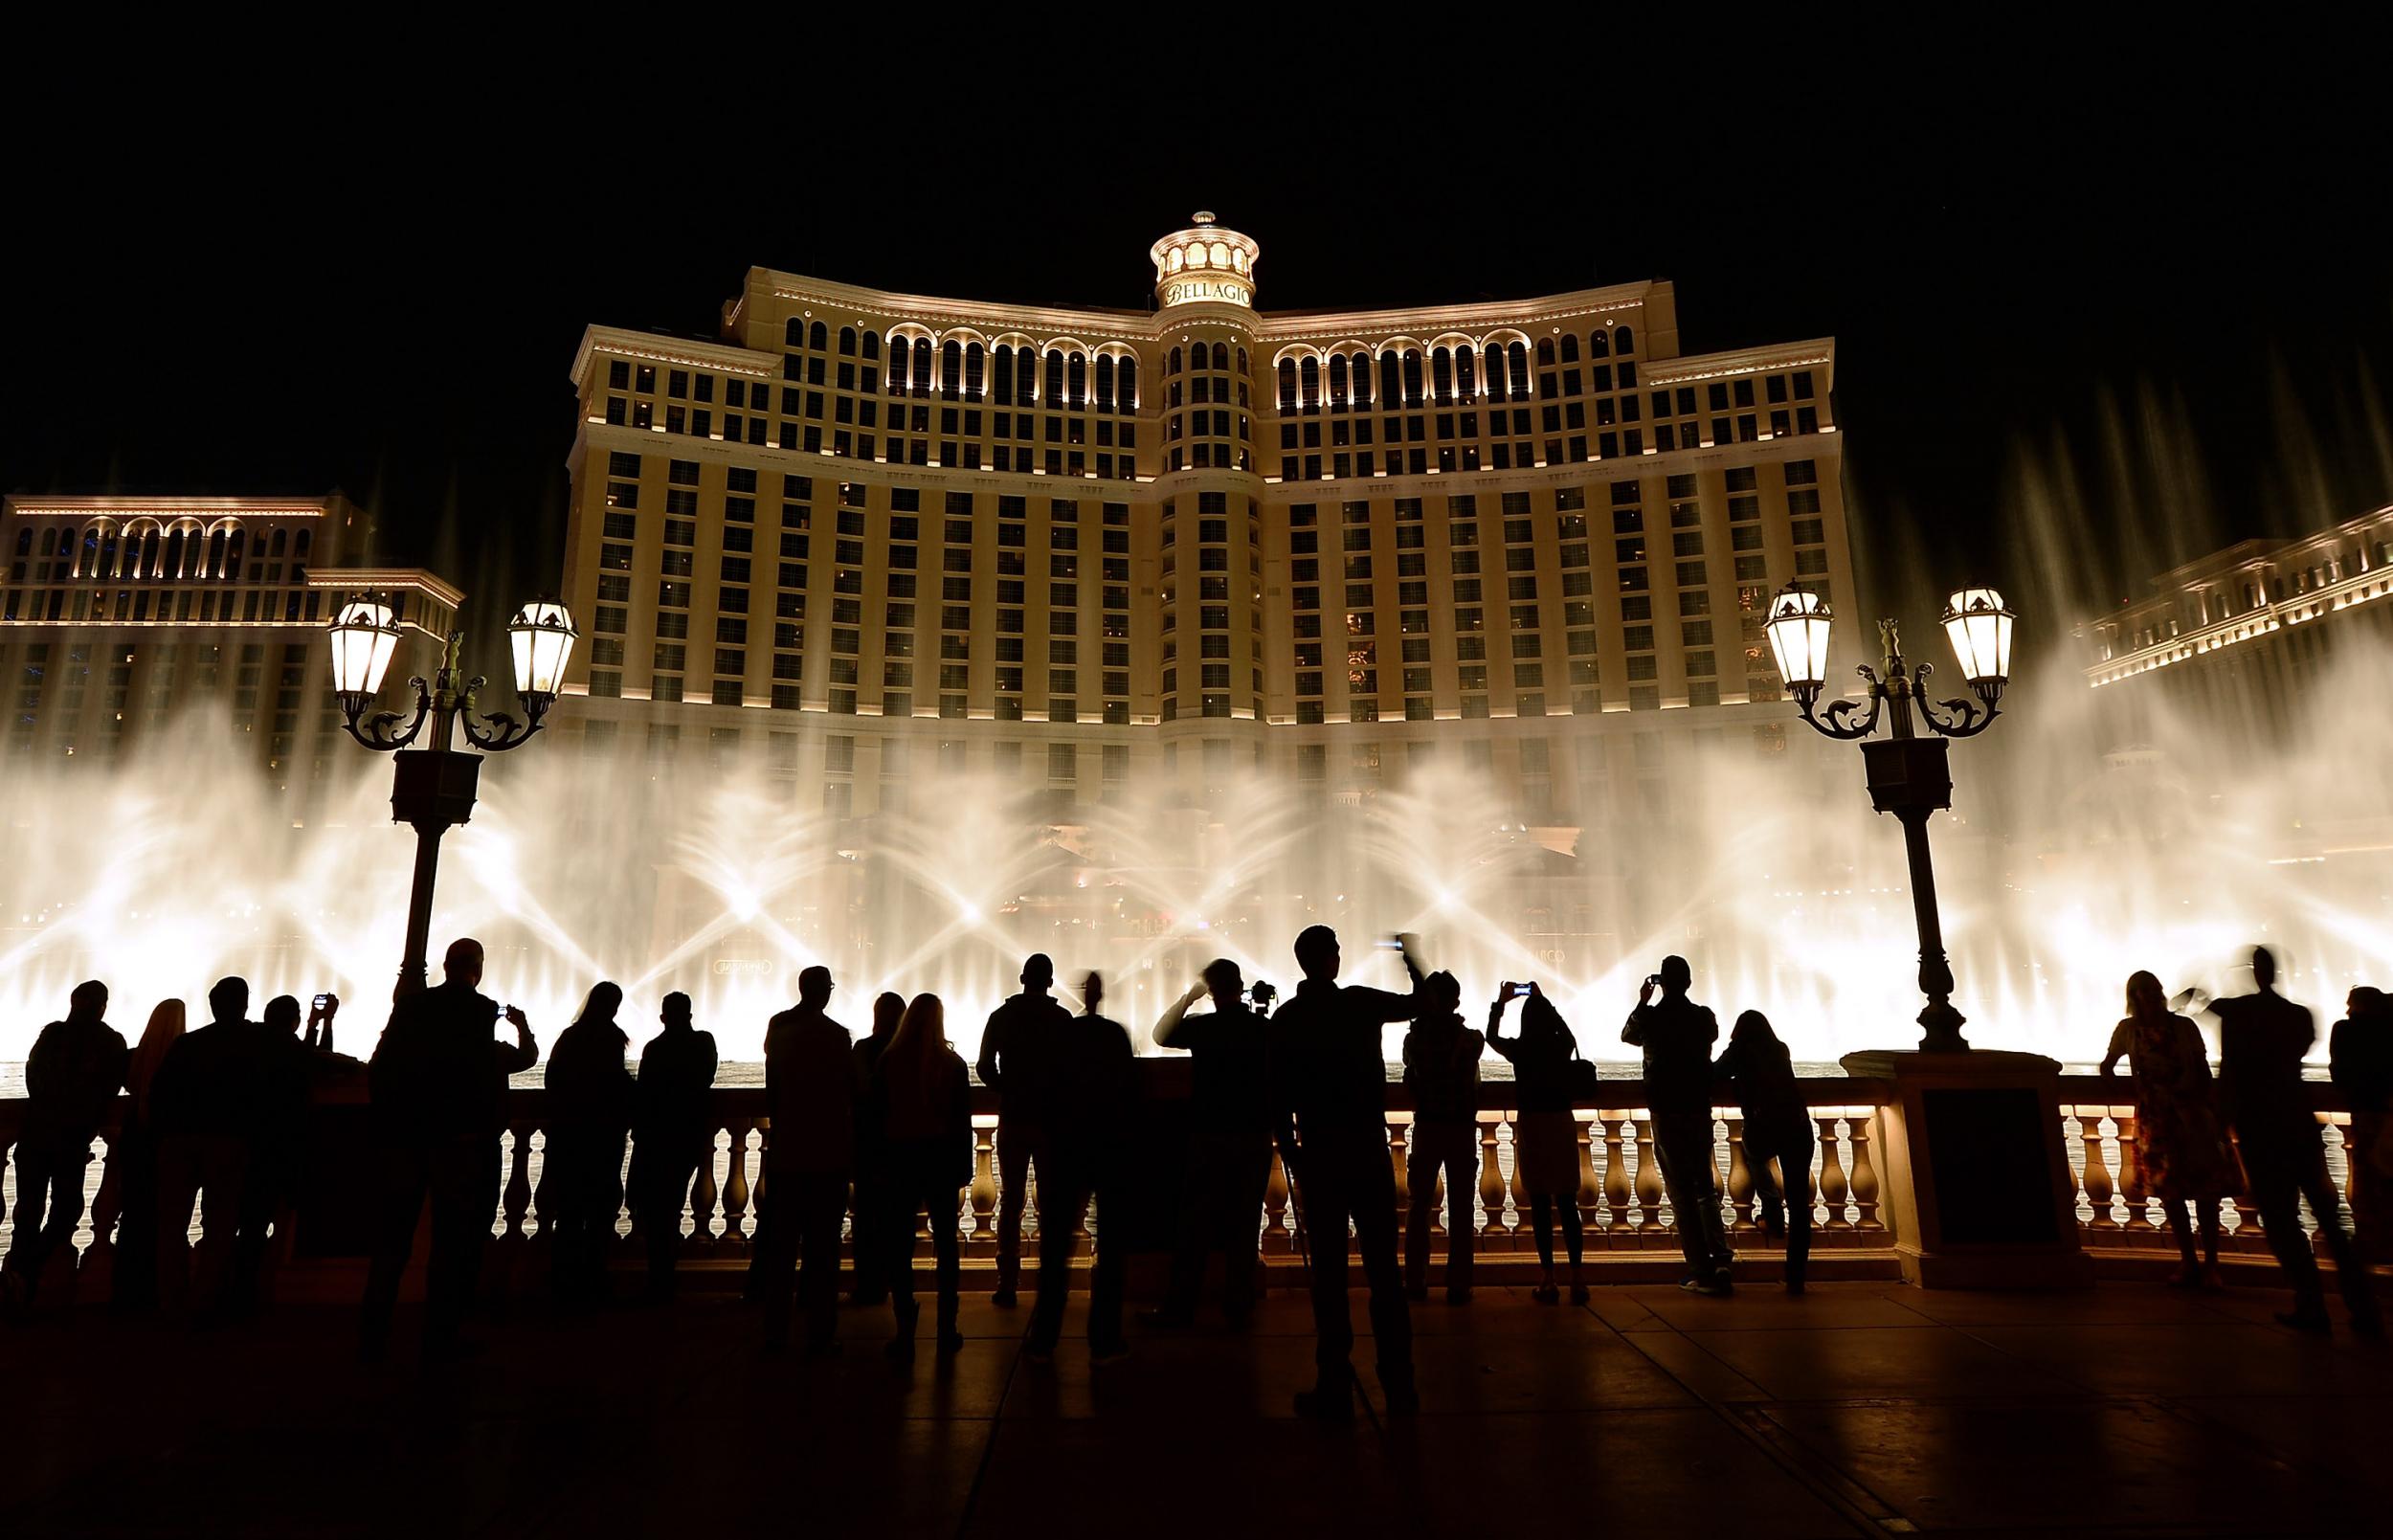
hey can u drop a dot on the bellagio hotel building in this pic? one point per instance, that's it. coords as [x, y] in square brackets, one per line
[864, 534]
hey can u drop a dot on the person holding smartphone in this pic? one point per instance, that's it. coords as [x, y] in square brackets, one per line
[1442, 1067]
[1229, 1164]
[438, 1084]
[1330, 1101]
[1677, 1034]
[1545, 1135]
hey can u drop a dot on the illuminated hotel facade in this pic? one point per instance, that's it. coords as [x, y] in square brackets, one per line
[867, 535]
[2241, 636]
[119, 614]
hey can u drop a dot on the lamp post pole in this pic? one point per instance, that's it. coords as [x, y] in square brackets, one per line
[433, 788]
[1910, 777]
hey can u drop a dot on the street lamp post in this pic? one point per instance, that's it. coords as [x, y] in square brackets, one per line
[433, 788]
[1909, 775]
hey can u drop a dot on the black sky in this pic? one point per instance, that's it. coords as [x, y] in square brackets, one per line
[2159, 281]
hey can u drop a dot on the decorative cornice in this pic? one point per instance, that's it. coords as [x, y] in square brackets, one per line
[643, 344]
[387, 578]
[77, 507]
[1815, 352]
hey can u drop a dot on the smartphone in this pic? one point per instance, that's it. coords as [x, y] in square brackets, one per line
[1654, 979]
[496, 1010]
[1389, 946]
[321, 1001]
[1521, 991]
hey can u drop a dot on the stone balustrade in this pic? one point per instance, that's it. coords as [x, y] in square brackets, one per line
[1622, 1202]
[2116, 1212]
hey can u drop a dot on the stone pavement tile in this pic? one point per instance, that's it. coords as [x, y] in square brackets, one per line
[1620, 1308]
[859, 1383]
[1168, 1381]
[1857, 1361]
[1642, 1472]
[839, 1476]
[1758, 1307]
[1687, 1362]
[2062, 1466]
[1593, 1371]
[2343, 1438]
[2101, 1304]
[2216, 1358]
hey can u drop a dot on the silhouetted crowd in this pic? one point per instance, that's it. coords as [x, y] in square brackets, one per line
[875, 1135]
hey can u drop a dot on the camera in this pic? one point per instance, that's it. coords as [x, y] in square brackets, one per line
[322, 1000]
[1522, 991]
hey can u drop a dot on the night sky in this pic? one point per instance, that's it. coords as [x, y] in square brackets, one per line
[2017, 283]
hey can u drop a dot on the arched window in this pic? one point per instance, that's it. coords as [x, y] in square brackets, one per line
[274, 548]
[1337, 382]
[1105, 382]
[1412, 378]
[847, 342]
[925, 365]
[303, 543]
[1241, 363]
[1391, 380]
[1624, 340]
[231, 572]
[1465, 372]
[1025, 377]
[1518, 356]
[1222, 357]
[1076, 370]
[1442, 375]
[1570, 347]
[901, 353]
[1287, 386]
[1126, 385]
[872, 345]
[1309, 373]
[975, 370]
[215, 554]
[793, 332]
[1172, 367]
[1597, 347]
[49, 541]
[818, 337]
[152, 540]
[173, 563]
[1545, 352]
[1055, 378]
[950, 369]
[1362, 381]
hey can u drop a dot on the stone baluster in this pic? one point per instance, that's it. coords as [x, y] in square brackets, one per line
[1615, 1188]
[983, 1240]
[1404, 1189]
[1649, 1224]
[735, 1189]
[1741, 1179]
[1590, 1198]
[107, 1207]
[516, 1202]
[1277, 1234]
[636, 1238]
[2097, 1179]
[702, 1194]
[1865, 1184]
[1833, 1187]
[1492, 1235]
[2132, 1170]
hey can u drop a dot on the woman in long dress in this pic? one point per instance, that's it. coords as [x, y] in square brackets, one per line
[2181, 1146]
[920, 1104]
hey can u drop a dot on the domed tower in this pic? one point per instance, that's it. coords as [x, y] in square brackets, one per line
[1208, 480]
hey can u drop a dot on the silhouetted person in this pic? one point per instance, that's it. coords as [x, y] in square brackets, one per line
[2181, 1146]
[70, 1078]
[1229, 1157]
[1093, 1095]
[226, 1103]
[276, 1146]
[919, 1103]
[439, 1080]
[673, 1131]
[2262, 1039]
[320, 1013]
[1441, 1066]
[1545, 1135]
[1779, 1137]
[589, 1111]
[1260, 998]
[867, 1209]
[2359, 1053]
[810, 1092]
[1677, 1036]
[133, 1162]
[1330, 1101]
[1017, 1054]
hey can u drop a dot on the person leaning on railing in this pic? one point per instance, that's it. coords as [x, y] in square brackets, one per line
[1778, 1133]
[2360, 1052]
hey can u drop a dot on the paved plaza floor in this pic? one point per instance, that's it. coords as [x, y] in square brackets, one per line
[1857, 1409]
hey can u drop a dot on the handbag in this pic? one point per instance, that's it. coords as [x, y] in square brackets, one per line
[1580, 1077]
